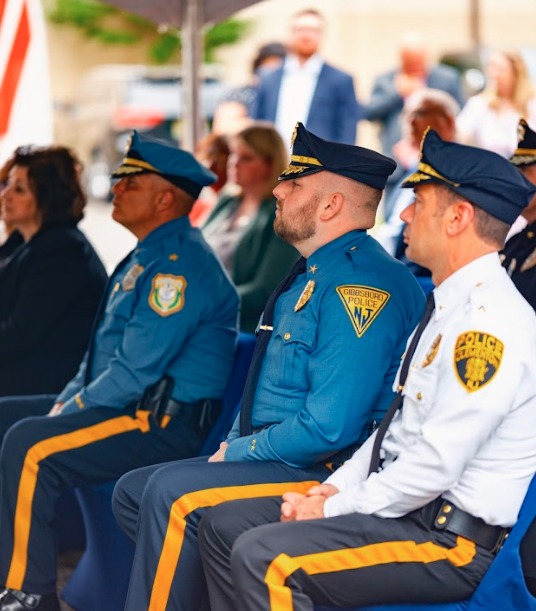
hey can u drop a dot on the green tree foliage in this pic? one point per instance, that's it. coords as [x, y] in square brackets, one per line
[110, 25]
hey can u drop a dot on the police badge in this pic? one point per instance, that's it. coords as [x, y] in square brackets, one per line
[477, 358]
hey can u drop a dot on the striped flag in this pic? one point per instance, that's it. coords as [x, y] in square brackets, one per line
[25, 100]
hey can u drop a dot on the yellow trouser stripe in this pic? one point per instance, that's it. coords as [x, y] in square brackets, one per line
[171, 549]
[40, 451]
[350, 559]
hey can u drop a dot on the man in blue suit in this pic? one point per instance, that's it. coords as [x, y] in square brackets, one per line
[307, 89]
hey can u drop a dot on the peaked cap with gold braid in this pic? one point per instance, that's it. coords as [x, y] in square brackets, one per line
[175, 165]
[481, 177]
[525, 154]
[311, 154]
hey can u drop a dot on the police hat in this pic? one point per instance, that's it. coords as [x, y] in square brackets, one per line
[483, 178]
[525, 154]
[175, 165]
[311, 154]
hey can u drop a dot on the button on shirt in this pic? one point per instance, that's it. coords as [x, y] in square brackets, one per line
[296, 93]
[329, 367]
[467, 429]
[170, 309]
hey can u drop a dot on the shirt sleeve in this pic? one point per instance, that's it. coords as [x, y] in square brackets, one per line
[151, 339]
[458, 423]
[346, 375]
[75, 385]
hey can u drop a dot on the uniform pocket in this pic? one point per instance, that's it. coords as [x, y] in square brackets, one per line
[295, 337]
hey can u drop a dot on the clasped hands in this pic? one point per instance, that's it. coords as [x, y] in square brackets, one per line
[308, 506]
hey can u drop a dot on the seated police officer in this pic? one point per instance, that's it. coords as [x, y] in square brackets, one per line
[520, 250]
[330, 342]
[419, 511]
[168, 323]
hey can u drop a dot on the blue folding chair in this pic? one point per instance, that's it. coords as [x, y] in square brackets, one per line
[100, 581]
[503, 587]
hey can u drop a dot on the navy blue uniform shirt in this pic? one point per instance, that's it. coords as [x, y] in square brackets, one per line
[171, 309]
[329, 367]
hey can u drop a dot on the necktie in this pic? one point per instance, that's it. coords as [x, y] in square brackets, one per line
[265, 332]
[100, 315]
[397, 401]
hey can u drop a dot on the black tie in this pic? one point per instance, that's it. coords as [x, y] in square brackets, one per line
[397, 401]
[100, 315]
[265, 332]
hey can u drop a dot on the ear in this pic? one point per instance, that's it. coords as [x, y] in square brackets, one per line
[163, 200]
[331, 206]
[460, 216]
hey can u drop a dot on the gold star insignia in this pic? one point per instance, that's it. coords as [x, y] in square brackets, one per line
[173, 257]
[313, 269]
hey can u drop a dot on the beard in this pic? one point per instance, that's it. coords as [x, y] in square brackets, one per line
[300, 226]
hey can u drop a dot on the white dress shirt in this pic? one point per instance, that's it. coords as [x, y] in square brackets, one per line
[476, 449]
[296, 93]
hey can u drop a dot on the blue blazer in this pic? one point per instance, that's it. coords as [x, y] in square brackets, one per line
[334, 111]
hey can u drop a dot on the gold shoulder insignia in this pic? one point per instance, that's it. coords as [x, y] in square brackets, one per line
[432, 353]
[477, 358]
[529, 262]
[363, 304]
[129, 281]
[167, 294]
[305, 296]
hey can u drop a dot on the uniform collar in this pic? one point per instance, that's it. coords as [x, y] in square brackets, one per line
[457, 288]
[175, 226]
[326, 255]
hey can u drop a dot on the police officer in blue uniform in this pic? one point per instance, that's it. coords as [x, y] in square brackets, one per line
[520, 250]
[330, 341]
[151, 382]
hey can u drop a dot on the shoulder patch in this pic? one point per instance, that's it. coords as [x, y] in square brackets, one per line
[167, 294]
[363, 304]
[477, 358]
[129, 281]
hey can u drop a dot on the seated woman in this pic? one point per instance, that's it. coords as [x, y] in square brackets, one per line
[240, 228]
[51, 285]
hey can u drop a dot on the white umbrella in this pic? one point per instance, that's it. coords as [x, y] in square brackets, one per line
[190, 15]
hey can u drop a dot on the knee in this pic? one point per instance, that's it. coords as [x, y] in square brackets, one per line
[248, 551]
[122, 499]
[20, 437]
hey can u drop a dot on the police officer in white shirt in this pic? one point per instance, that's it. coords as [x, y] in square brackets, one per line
[419, 512]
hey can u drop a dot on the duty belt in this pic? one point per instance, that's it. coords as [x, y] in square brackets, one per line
[200, 415]
[455, 520]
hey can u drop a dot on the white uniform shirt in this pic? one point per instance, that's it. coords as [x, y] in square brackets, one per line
[467, 429]
[296, 93]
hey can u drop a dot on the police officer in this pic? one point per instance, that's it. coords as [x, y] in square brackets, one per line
[520, 250]
[168, 323]
[332, 345]
[418, 513]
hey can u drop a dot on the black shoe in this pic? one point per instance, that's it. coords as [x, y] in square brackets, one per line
[13, 600]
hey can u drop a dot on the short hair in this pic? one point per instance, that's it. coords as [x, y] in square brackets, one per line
[488, 228]
[271, 49]
[54, 179]
[263, 138]
[308, 11]
[441, 98]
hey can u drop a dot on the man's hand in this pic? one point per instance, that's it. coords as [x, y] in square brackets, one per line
[219, 456]
[56, 409]
[325, 490]
[300, 507]
[406, 84]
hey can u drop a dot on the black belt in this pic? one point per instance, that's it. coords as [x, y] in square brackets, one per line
[455, 520]
[201, 415]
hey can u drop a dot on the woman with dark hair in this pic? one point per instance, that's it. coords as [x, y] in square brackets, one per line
[51, 285]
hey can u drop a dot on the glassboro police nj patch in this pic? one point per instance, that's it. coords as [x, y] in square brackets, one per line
[167, 294]
[477, 358]
[363, 304]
